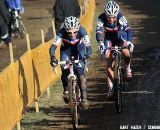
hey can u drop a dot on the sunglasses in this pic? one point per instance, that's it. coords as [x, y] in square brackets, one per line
[72, 32]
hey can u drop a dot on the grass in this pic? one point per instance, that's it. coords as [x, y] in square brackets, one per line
[31, 118]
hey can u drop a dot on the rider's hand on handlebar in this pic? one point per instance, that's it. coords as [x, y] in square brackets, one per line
[53, 61]
[131, 46]
[101, 46]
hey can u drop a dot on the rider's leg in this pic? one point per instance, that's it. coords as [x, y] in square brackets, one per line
[79, 54]
[127, 60]
[126, 54]
[64, 76]
[64, 79]
[65, 85]
[83, 87]
[109, 71]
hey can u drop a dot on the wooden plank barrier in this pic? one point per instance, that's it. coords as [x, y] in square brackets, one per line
[42, 36]
[11, 53]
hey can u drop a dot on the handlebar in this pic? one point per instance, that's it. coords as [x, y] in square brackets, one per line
[117, 48]
[69, 63]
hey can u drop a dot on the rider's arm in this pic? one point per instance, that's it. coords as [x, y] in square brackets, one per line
[87, 44]
[54, 45]
[99, 31]
[86, 41]
[129, 33]
[124, 23]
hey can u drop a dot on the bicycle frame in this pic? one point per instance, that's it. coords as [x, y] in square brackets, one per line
[74, 91]
[73, 94]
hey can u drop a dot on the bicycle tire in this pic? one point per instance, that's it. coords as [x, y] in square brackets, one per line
[73, 104]
[117, 88]
[21, 29]
[13, 28]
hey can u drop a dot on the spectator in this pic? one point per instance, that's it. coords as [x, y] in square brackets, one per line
[15, 8]
[65, 8]
[4, 12]
[4, 31]
[4, 22]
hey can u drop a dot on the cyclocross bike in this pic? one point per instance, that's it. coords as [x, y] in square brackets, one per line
[16, 24]
[120, 82]
[74, 91]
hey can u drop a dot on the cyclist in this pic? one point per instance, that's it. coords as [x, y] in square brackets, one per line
[116, 32]
[15, 8]
[74, 42]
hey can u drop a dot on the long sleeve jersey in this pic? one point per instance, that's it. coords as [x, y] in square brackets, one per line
[111, 30]
[67, 42]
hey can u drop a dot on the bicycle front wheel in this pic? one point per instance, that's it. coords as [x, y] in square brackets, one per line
[73, 102]
[117, 88]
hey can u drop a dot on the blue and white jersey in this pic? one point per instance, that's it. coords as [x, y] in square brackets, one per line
[112, 31]
[67, 43]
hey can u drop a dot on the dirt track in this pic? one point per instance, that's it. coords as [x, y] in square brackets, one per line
[141, 99]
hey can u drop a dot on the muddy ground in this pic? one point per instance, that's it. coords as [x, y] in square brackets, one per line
[141, 98]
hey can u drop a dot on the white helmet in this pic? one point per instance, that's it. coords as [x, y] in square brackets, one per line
[71, 23]
[111, 8]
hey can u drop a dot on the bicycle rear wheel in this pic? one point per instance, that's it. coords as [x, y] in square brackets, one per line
[73, 102]
[13, 31]
[21, 29]
[117, 88]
